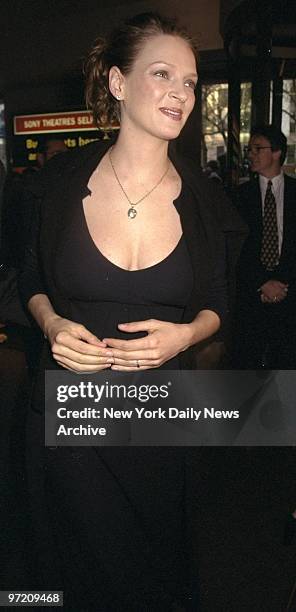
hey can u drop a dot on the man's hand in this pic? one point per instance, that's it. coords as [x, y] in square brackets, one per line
[273, 291]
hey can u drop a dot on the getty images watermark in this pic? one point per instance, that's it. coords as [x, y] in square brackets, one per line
[170, 408]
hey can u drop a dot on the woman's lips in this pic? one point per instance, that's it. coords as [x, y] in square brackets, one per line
[173, 113]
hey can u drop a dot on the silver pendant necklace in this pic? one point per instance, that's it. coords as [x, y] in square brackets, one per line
[132, 212]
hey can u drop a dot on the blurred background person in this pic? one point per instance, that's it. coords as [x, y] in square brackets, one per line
[266, 291]
[212, 170]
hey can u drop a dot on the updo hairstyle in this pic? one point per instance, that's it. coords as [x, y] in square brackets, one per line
[120, 49]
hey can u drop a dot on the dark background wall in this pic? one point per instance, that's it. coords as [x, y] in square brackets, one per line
[43, 43]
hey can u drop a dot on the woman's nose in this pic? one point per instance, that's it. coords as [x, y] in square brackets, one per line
[178, 92]
[178, 95]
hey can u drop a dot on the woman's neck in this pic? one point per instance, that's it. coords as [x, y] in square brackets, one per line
[144, 157]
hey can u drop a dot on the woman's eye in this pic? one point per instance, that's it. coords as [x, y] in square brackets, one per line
[190, 84]
[162, 73]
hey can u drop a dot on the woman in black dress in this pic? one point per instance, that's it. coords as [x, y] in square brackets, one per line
[125, 272]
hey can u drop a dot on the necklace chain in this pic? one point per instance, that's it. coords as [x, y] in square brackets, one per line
[132, 213]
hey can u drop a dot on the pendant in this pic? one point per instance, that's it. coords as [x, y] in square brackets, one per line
[131, 213]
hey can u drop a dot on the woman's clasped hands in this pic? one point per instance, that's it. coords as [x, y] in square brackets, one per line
[77, 349]
[162, 342]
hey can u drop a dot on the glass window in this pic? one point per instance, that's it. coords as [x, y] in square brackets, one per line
[214, 121]
[289, 123]
[245, 112]
[245, 124]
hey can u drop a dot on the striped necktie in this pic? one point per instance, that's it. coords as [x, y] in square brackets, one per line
[270, 239]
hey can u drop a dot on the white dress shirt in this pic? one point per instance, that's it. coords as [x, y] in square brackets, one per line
[278, 192]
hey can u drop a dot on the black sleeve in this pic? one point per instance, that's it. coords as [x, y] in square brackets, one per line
[30, 277]
[217, 298]
[230, 235]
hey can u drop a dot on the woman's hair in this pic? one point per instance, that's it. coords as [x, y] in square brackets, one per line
[120, 49]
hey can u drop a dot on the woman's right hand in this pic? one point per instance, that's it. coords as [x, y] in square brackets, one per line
[75, 348]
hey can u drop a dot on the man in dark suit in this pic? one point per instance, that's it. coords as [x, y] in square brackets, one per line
[266, 305]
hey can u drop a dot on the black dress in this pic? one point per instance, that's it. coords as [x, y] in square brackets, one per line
[110, 522]
[101, 294]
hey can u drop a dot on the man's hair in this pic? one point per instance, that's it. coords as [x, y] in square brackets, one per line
[277, 139]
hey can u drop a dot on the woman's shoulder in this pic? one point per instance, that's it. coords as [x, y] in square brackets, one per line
[193, 176]
[211, 198]
[73, 159]
[65, 169]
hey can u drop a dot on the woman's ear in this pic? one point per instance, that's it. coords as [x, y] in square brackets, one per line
[116, 83]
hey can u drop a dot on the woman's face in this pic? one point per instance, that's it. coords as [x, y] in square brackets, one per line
[158, 94]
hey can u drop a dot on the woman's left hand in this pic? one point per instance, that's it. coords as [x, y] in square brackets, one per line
[163, 342]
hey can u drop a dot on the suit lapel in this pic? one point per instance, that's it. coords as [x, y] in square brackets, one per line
[288, 217]
[257, 208]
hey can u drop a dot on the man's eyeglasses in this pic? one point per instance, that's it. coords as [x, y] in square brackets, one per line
[256, 149]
